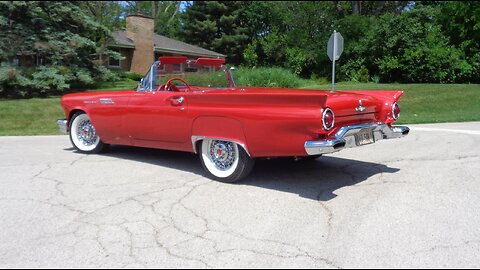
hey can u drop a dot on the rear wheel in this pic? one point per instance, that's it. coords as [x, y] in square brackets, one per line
[83, 135]
[225, 161]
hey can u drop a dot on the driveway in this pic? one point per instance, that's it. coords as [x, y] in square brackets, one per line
[412, 203]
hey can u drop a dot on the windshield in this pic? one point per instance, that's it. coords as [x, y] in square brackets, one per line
[150, 81]
[195, 72]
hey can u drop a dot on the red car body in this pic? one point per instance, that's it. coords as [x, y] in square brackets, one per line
[265, 122]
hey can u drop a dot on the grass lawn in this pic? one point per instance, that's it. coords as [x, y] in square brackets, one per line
[37, 116]
[421, 103]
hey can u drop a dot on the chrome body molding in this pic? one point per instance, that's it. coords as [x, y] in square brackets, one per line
[195, 139]
[62, 125]
[345, 137]
[106, 101]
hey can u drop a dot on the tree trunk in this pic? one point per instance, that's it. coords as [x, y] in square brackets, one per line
[339, 8]
[357, 7]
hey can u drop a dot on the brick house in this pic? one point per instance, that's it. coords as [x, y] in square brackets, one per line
[140, 46]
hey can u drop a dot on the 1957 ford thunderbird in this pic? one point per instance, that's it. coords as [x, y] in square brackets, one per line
[228, 126]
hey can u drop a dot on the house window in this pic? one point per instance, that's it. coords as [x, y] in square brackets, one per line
[177, 67]
[114, 63]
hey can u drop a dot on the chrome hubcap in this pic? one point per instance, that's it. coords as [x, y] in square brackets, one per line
[86, 133]
[222, 153]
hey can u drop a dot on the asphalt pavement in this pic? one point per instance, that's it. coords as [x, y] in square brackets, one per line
[412, 202]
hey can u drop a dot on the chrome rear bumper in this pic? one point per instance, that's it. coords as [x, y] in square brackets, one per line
[62, 125]
[345, 137]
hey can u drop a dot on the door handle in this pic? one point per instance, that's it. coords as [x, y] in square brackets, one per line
[177, 101]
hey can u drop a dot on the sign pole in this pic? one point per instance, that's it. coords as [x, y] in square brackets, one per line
[334, 50]
[334, 56]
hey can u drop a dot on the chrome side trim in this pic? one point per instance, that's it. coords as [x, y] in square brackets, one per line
[106, 101]
[62, 125]
[345, 137]
[195, 139]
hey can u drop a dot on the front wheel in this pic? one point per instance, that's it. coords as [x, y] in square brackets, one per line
[225, 161]
[83, 135]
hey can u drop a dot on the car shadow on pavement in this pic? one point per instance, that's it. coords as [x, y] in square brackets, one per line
[172, 159]
[313, 179]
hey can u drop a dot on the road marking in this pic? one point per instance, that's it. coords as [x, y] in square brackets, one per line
[462, 131]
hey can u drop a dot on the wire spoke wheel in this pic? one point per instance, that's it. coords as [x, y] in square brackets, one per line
[84, 136]
[225, 161]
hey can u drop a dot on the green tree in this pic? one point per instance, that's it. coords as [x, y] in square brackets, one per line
[110, 14]
[460, 21]
[297, 36]
[412, 48]
[219, 26]
[165, 14]
[61, 37]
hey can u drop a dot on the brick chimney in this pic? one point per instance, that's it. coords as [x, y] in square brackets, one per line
[140, 30]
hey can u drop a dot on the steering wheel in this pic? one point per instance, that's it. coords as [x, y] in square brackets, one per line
[171, 87]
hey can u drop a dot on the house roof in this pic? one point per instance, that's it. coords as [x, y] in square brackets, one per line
[120, 39]
[163, 44]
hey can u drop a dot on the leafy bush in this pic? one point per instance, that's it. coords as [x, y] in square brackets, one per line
[12, 82]
[208, 79]
[250, 54]
[18, 82]
[318, 80]
[243, 76]
[134, 76]
[266, 77]
[123, 74]
[363, 75]
[48, 79]
[296, 60]
[412, 48]
[350, 70]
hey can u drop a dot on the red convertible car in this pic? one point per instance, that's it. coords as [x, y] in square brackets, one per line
[228, 126]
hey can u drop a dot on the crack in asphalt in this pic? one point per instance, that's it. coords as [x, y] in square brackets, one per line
[434, 248]
[327, 210]
[42, 171]
[455, 158]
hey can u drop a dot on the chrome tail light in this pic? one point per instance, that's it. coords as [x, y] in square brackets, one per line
[328, 119]
[395, 111]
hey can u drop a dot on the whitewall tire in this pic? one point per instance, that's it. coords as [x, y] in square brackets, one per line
[225, 161]
[83, 135]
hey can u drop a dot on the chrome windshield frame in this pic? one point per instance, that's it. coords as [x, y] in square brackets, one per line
[228, 76]
[146, 83]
